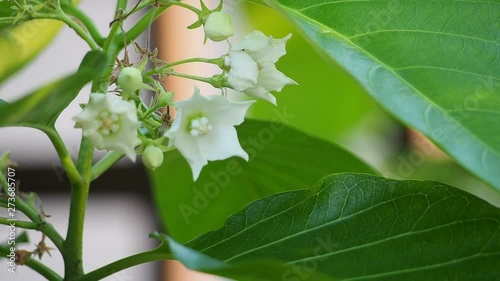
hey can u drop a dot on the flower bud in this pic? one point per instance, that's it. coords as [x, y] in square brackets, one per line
[165, 98]
[152, 157]
[218, 26]
[129, 79]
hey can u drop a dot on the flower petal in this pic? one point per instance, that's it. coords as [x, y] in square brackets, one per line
[214, 136]
[272, 79]
[244, 71]
[261, 93]
[263, 49]
[222, 143]
[229, 113]
[124, 139]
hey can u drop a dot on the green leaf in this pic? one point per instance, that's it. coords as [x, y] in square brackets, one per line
[246, 271]
[21, 43]
[2, 102]
[361, 227]
[281, 159]
[41, 108]
[432, 64]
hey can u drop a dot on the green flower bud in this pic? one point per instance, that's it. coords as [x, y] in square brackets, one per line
[129, 79]
[218, 26]
[165, 98]
[152, 157]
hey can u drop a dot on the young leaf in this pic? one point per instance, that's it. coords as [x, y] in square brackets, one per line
[359, 227]
[41, 108]
[281, 159]
[432, 64]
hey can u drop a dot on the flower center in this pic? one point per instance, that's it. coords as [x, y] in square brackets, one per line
[109, 123]
[200, 126]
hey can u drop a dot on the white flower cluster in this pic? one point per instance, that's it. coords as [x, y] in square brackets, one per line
[204, 127]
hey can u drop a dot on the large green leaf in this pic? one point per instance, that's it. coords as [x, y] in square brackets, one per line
[41, 108]
[433, 64]
[359, 227]
[281, 159]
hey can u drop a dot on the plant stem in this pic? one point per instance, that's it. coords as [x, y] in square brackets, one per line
[85, 156]
[105, 163]
[154, 255]
[68, 164]
[73, 247]
[61, 16]
[161, 69]
[205, 60]
[143, 24]
[43, 270]
[193, 77]
[73, 10]
[38, 221]
[42, 225]
[36, 266]
[18, 223]
[80, 31]
[110, 45]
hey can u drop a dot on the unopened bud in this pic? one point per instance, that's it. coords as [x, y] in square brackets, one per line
[152, 157]
[129, 79]
[218, 26]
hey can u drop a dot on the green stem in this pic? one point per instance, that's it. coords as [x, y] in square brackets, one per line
[61, 16]
[18, 223]
[161, 69]
[73, 247]
[142, 25]
[68, 164]
[115, 28]
[38, 221]
[37, 266]
[43, 270]
[204, 60]
[105, 163]
[74, 240]
[42, 225]
[149, 256]
[85, 156]
[193, 77]
[73, 10]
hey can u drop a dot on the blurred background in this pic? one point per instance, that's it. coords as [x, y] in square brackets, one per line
[328, 104]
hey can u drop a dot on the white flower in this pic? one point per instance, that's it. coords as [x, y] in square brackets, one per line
[218, 26]
[251, 66]
[110, 123]
[203, 130]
